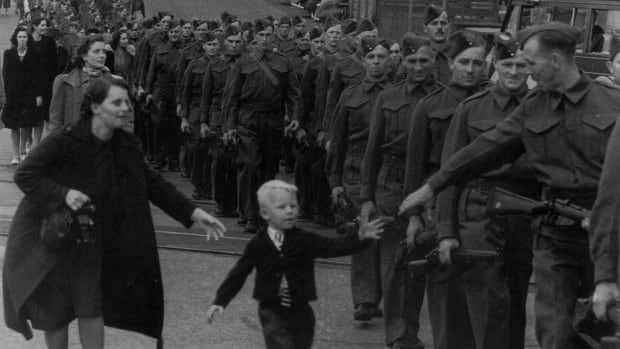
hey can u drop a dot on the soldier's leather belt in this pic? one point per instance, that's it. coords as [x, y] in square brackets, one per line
[263, 107]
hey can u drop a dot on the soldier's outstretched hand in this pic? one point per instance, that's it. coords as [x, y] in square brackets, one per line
[211, 225]
[424, 195]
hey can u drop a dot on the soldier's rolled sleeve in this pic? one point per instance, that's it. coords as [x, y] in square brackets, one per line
[293, 94]
[417, 151]
[372, 156]
[337, 150]
[150, 76]
[457, 137]
[490, 150]
[605, 215]
[336, 86]
[186, 91]
[232, 94]
[307, 90]
[205, 101]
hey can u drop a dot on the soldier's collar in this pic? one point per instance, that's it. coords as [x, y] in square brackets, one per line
[369, 84]
[574, 93]
[459, 92]
[503, 97]
[429, 85]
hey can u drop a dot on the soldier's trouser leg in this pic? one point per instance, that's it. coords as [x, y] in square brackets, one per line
[320, 186]
[201, 169]
[517, 271]
[365, 265]
[173, 138]
[224, 178]
[304, 157]
[400, 314]
[564, 272]
[259, 152]
[243, 188]
[448, 314]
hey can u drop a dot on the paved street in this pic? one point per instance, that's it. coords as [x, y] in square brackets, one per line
[191, 278]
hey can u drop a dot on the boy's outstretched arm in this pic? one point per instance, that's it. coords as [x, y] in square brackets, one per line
[214, 309]
[351, 242]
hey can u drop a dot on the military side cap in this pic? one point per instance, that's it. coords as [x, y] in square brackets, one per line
[461, 41]
[349, 26]
[246, 26]
[365, 25]
[571, 33]
[262, 24]
[285, 20]
[614, 48]
[315, 32]
[225, 17]
[412, 43]
[212, 25]
[432, 12]
[331, 21]
[297, 20]
[368, 44]
[506, 46]
[210, 36]
[269, 18]
[231, 30]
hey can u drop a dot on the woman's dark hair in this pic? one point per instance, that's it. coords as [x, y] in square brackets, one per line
[97, 92]
[116, 38]
[35, 22]
[14, 36]
[162, 14]
[87, 42]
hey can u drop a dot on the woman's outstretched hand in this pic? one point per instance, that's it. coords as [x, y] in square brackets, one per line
[211, 225]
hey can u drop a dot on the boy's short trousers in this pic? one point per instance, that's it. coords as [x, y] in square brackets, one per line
[72, 289]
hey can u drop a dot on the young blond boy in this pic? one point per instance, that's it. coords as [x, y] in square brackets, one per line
[283, 256]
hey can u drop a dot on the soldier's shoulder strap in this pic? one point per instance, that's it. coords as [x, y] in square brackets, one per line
[478, 95]
[266, 70]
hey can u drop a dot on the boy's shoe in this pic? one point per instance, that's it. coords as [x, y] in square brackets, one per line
[15, 161]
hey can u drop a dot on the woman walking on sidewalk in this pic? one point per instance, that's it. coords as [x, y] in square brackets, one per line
[23, 93]
[107, 273]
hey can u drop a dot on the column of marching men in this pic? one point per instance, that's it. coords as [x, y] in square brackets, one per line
[364, 123]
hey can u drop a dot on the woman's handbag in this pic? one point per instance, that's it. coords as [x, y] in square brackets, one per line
[64, 228]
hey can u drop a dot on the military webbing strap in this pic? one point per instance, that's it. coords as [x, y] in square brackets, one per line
[266, 70]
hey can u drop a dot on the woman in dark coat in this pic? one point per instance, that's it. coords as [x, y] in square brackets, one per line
[44, 48]
[115, 279]
[23, 93]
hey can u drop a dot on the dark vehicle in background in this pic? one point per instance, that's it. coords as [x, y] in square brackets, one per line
[599, 21]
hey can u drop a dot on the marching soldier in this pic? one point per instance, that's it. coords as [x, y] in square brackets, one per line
[563, 127]
[344, 161]
[382, 179]
[436, 28]
[160, 89]
[156, 38]
[190, 53]
[212, 123]
[347, 71]
[283, 42]
[263, 86]
[191, 97]
[427, 130]
[461, 219]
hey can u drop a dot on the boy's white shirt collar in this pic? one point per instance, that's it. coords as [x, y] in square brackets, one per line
[272, 235]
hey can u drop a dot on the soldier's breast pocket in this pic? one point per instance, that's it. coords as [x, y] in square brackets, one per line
[597, 128]
[476, 127]
[543, 138]
[397, 118]
[439, 121]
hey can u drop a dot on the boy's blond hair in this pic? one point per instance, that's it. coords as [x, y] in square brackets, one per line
[263, 192]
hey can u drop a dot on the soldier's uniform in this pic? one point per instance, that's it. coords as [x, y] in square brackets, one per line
[285, 46]
[564, 136]
[427, 130]
[382, 181]
[441, 67]
[224, 172]
[347, 71]
[151, 42]
[343, 167]
[197, 148]
[187, 55]
[255, 108]
[161, 83]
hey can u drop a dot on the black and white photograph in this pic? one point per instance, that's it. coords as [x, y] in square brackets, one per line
[296, 174]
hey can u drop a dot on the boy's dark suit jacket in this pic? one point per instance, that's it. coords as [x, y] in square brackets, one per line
[296, 261]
